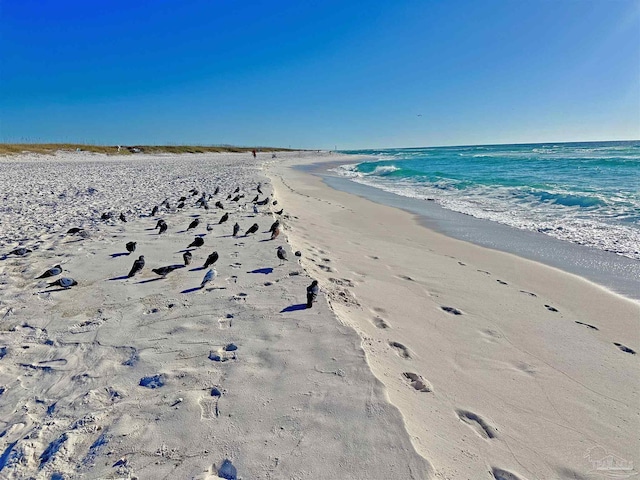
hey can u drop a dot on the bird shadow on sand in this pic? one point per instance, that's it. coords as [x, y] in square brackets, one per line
[147, 229]
[119, 254]
[196, 269]
[121, 277]
[294, 308]
[51, 290]
[266, 270]
[151, 280]
[266, 240]
[191, 290]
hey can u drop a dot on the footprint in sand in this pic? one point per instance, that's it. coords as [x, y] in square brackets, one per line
[484, 271]
[624, 348]
[225, 323]
[224, 354]
[325, 268]
[400, 349]
[417, 382]
[462, 264]
[406, 277]
[475, 421]
[345, 282]
[236, 265]
[379, 322]
[528, 293]
[550, 308]
[501, 282]
[587, 325]
[209, 404]
[373, 257]
[451, 310]
[500, 474]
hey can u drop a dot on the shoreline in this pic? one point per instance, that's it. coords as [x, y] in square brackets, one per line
[618, 274]
[531, 355]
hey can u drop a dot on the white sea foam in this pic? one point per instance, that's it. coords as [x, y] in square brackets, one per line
[559, 217]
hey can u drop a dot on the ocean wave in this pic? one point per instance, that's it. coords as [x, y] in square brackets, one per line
[382, 170]
[583, 220]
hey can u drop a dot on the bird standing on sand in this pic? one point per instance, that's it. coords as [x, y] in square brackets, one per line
[252, 229]
[154, 211]
[131, 247]
[163, 227]
[312, 293]
[138, 265]
[52, 272]
[274, 225]
[197, 242]
[193, 224]
[160, 222]
[219, 205]
[74, 230]
[123, 218]
[181, 205]
[224, 218]
[164, 271]
[209, 227]
[282, 255]
[208, 277]
[211, 259]
[216, 191]
[236, 229]
[20, 251]
[63, 282]
[275, 233]
[186, 256]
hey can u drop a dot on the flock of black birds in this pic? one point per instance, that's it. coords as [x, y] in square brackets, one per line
[162, 227]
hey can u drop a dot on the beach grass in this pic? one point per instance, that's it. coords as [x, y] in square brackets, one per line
[51, 148]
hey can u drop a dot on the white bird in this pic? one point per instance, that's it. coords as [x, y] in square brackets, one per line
[208, 277]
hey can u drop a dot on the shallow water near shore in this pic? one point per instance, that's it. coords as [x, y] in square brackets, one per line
[584, 193]
[618, 273]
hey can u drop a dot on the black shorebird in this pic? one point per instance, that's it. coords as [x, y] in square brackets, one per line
[138, 265]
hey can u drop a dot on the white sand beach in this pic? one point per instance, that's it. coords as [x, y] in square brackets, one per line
[502, 367]
[242, 374]
[424, 357]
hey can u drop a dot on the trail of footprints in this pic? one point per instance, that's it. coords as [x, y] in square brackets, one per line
[455, 311]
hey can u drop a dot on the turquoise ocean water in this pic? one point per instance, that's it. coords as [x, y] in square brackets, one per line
[585, 193]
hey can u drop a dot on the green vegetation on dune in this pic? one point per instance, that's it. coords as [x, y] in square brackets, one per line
[51, 148]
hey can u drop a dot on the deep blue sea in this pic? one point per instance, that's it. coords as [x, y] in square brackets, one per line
[585, 193]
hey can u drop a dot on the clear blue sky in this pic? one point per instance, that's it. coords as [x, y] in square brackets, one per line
[318, 74]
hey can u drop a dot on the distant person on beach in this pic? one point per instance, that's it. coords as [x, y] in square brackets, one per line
[253, 152]
[312, 293]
